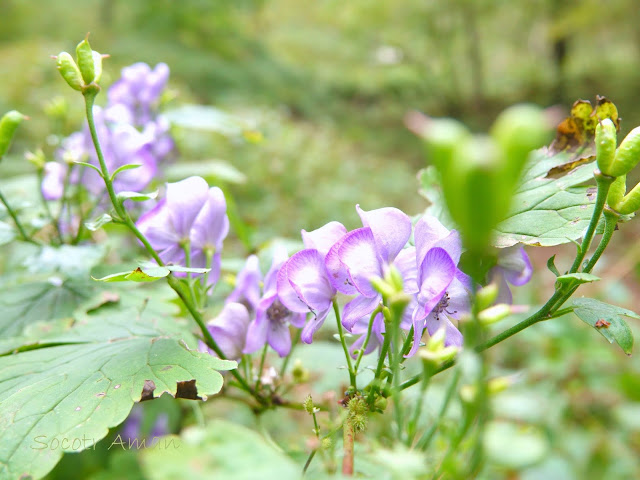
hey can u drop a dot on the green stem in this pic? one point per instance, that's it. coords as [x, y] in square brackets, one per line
[413, 423]
[375, 383]
[13, 215]
[261, 367]
[352, 375]
[610, 222]
[426, 438]
[604, 183]
[285, 362]
[366, 340]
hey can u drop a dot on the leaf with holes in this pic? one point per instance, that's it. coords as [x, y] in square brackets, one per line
[607, 319]
[85, 380]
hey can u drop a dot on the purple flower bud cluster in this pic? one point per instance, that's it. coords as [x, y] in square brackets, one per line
[130, 132]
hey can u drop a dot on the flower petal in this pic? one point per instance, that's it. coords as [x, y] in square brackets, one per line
[312, 326]
[184, 201]
[359, 255]
[405, 262]
[516, 265]
[279, 338]
[452, 336]
[338, 273]
[391, 229]
[156, 226]
[256, 334]
[430, 233]
[357, 308]
[307, 275]
[248, 283]
[211, 225]
[323, 238]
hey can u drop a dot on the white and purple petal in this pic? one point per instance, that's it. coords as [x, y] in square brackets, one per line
[391, 230]
[323, 238]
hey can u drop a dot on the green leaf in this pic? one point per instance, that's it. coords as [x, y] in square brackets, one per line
[137, 275]
[222, 450]
[87, 383]
[548, 211]
[607, 319]
[122, 168]
[85, 164]
[136, 196]
[213, 171]
[7, 233]
[551, 265]
[25, 304]
[515, 446]
[576, 278]
[431, 190]
[99, 222]
[70, 260]
[178, 268]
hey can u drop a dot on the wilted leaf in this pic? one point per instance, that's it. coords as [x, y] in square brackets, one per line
[87, 383]
[607, 319]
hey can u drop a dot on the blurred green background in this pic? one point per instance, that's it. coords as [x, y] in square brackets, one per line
[327, 83]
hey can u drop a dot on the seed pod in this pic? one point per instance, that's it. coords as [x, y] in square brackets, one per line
[606, 142]
[69, 71]
[628, 154]
[97, 61]
[8, 125]
[630, 203]
[616, 192]
[86, 63]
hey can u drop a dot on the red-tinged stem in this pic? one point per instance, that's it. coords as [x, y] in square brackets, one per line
[348, 439]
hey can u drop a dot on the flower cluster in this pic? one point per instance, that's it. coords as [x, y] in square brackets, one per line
[188, 226]
[254, 315]
[336, 261]
[130, 132]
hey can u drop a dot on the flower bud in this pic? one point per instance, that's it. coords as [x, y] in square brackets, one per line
[486, 296]
[97, 61]
[8, 125]
[627, 156]
[299, 373]
[37, 158]
[494, 386]
[606, 142]
[308, 405]
[69, 71]
[498, 312]
[518, 130]
[629, 203]
[86, 64]
[435, 353]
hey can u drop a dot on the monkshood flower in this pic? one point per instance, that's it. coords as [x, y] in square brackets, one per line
[304, 283]
[443, 290]
[53, 180]
[513, 267]
[271, 325]
[229, 330]
[247, 289]
[192, 216]
[139, 89]
[367, 252]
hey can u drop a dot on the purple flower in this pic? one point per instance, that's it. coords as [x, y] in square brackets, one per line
[53, 180]
[271, 324]
[365, 253]
[191, 214]
[443, 290]
[513, 267]
[131, 428]
[160, 426]
[139, 89]
[229, 330]
[247, 290]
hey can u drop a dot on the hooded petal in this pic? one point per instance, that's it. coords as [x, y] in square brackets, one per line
[391, 230]
[338, 273]
[323, 238]
[405, 262]
[359, 255]
[211, 225]
[157, 227]
[256, 334]
[280, 256]
[185, 199]
[357, 308]
[303, 283]
[229, 329]
[430, 233]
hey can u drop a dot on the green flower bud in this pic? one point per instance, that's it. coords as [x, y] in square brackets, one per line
[617, 192]
[299, 373]
[326, 443]
[606, 142]
[86, 63]
[494, 314]
[518, 130]
[37, 158]
[97, 61]
[435, 353]
[627, 155]
[486, 296]
[8, 125]
[380, 404]
[308, 405]
[69, 71]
